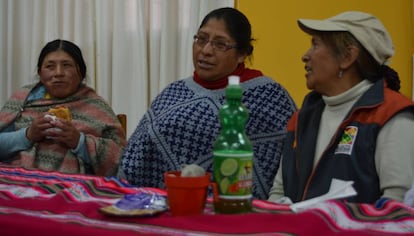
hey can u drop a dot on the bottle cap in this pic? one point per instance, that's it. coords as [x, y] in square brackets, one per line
[234, 80]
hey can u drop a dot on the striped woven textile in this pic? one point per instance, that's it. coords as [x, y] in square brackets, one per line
[52, 203]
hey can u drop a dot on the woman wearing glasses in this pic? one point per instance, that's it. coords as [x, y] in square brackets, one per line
[182, 122]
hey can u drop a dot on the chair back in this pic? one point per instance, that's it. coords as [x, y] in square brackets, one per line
[123, 120]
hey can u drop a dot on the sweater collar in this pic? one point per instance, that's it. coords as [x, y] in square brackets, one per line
[351, 95]
[244, 73]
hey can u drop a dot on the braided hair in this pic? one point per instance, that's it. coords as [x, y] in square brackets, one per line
[371, 70]
[391, 77]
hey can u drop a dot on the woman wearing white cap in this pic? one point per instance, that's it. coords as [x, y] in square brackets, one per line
[354, 125]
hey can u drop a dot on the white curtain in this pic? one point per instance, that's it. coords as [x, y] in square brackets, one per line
[132, 48]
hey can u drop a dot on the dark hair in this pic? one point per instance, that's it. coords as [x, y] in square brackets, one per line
[70, 48]
[370, 69]
[237, 25]
[367, 66]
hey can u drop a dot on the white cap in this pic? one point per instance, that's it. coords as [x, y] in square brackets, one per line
[234, 80]
[366, 28]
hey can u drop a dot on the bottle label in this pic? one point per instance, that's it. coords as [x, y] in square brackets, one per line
[233, 174]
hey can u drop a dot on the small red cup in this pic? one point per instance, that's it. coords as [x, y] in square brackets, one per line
[186, 195]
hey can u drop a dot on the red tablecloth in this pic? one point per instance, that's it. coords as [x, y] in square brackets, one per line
[51, 203]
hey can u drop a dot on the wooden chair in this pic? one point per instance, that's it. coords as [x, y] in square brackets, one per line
[123, 120]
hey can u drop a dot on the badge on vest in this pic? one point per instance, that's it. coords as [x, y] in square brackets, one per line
[347, 141]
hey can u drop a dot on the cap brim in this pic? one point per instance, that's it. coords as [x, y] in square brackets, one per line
[318, 25]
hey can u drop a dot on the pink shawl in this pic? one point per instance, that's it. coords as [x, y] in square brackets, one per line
[104, 136]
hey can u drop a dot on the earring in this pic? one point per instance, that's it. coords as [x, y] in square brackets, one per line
[340, 74]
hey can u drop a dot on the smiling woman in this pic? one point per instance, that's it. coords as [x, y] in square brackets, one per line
[59, 74]
[31, 136]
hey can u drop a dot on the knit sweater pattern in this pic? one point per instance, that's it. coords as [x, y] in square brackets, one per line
[182, 124]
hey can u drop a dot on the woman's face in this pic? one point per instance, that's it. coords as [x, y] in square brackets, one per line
[322, 68]
[211, 63]
[60, 74]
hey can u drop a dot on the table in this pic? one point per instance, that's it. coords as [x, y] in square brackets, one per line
[51, 203]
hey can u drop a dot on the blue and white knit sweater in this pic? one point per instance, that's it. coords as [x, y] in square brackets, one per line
[182, 124]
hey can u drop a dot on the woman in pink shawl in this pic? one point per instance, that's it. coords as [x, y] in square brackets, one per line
[91, 143]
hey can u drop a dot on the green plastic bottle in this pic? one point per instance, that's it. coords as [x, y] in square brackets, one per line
[233, 155]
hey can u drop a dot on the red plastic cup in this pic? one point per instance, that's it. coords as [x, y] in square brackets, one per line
[186, 195]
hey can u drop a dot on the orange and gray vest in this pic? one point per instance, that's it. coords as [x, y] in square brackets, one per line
[350, 155]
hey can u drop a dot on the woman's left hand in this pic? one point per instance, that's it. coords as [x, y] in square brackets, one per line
[65, 133]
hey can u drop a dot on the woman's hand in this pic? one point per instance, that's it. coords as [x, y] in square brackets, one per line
[38, 130]
[64, 133]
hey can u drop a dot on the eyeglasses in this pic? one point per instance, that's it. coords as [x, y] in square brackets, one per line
[216, 44]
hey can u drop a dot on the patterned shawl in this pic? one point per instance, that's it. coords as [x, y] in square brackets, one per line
[104, 136]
